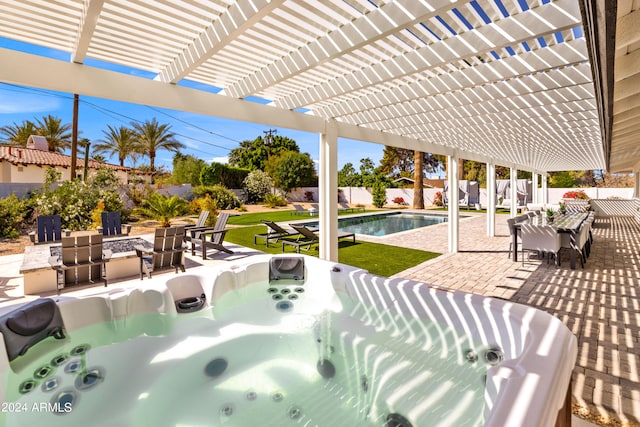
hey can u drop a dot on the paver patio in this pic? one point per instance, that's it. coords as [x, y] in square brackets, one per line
[600, 303]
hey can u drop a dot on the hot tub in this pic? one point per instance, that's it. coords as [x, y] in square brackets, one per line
[281, 340]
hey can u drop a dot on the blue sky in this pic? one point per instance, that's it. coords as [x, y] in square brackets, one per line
[206, 137]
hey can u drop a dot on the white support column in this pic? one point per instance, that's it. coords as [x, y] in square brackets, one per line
[453, 202]
[534, 187]
[545, 195]
[491, 199]
[328, 191]
[513, 176]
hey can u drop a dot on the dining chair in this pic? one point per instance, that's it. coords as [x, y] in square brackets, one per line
[541, 238]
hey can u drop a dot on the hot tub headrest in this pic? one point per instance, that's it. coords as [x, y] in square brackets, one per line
[31, 323]
[286, 268]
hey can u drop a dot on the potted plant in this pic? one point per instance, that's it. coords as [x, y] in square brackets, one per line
[549, 215]
[563, 208]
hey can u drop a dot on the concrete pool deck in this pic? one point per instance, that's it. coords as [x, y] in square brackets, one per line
[600, 303]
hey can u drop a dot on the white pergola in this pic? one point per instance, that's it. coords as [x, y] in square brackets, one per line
[506, 82]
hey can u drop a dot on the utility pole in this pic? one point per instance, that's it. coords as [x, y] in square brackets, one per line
[74, 138]
[268, 140]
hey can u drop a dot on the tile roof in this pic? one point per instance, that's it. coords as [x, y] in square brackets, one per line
[29, 156]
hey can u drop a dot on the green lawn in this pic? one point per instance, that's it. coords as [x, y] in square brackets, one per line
[276, 216]
[383, 260]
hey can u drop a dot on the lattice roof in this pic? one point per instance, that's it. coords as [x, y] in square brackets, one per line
[502, 80]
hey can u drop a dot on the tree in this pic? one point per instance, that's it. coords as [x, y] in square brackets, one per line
[152, 136]
[120, 142]
[18, 134]
[348, 177]
[58, 135]
[367, 172]
[418, 182]
[187, 169]
[397, 162]
[253, 155]
[400, 162]
[292, 170]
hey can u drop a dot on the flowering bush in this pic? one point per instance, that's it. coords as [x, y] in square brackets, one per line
[437, 199]
[398, 200]
[257, 185]
[579, 194]
[76, 201]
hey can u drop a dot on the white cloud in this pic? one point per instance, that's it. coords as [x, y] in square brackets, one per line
[14, 103]
[224, 160]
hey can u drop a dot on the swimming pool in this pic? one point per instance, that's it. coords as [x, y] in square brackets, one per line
[386, 223]
[281, 340]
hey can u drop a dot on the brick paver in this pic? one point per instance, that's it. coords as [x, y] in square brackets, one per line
[600, 304]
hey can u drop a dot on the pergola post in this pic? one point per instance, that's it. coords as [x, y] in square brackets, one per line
[328, 192]
[534, 187]
[491, 199]
[453, 200]
[513, 181]
[636, 183]
[545, 195]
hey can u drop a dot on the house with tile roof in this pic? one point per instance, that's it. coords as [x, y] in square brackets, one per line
[28, 165]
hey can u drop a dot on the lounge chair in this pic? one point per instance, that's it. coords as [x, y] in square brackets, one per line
[168, 251]
[309, 238]
[274, 232]
[344, 207]
[82, 261]
[112, 225]
[299, 210]
[49, 230]
[216, 233]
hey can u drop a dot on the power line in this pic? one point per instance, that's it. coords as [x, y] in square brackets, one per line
[117, 116]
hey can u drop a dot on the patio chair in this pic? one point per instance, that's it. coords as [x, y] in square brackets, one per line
[216, 239]
[309, 237]
[581, 242]
[82, 261]
[541, 238]
[49, 230]
[274, 232]
[168, 251]
[201, 222]
[511, 223]
[112, 225]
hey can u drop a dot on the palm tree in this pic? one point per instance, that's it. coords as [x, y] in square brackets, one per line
[18, 134]
[162, 208]
[152, 136]
[117, 141]
[58, 135]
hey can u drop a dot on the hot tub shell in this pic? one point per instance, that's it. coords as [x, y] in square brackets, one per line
[527, 388]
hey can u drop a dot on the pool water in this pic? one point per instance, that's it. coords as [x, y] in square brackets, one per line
[386, 224]
[255, 358]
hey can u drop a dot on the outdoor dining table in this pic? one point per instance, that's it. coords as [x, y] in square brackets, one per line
[563, 223]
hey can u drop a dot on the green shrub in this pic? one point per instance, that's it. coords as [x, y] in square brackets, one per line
[225, 199]
[12, 213]
[205, 203]
[379, 194]
[272, 200]
[221, 174]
